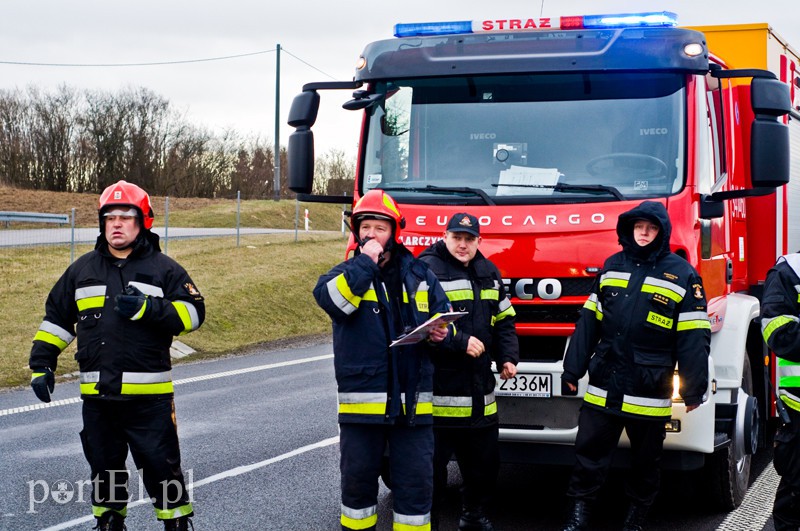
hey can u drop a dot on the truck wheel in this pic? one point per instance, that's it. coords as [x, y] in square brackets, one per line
[729, 468]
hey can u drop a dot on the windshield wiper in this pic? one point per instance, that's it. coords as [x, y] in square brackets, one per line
[435, 189]
[564, 187]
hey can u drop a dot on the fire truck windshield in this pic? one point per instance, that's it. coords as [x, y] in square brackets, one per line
[518, 139]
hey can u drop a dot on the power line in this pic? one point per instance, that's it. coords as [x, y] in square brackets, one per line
[155, 63]
[161, 63]
[307, 64]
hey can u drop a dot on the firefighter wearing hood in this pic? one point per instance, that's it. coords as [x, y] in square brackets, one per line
[647, 312]
[124, 301]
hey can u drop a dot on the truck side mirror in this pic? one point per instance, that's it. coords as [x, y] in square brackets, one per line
[300, 158]
[769, 146]
[711, 209]
[302, 116]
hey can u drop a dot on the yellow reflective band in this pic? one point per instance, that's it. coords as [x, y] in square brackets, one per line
[90, 302]
[36, 375]
[774, 324]
[422, 301]
[590, 305]
[371, 295]
[460, 295]
[147, 389]
[133, 389]
[509, 312]
[51, 339]
[790, 381]
[183, 313]
[98, 511]
[89, 389]
[143, 309]
[344, 289]
[594, 399]
[790, 402]
[490, 294]
[647, 411]
[490, 409]
[177, 512]
[694, 325]
[616, 282]
[452, 412]
[424, 408]
[660, 320]
[363, 409]
[363, 523]
[668, 293]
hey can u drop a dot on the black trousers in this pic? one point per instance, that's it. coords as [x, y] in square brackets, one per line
[598, 436]
[147, 427]
[786, 509]
[411, 468]
[477, 453]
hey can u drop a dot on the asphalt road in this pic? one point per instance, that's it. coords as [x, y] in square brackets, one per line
[260, 445]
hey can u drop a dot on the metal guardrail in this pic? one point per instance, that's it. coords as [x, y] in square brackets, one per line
[33, 217]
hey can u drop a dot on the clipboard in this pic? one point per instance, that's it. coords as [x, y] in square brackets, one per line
[421, 332]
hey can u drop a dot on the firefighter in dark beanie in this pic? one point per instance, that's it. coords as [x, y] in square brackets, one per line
[464, 405]
[647, 312]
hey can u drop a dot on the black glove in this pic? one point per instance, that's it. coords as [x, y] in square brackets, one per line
[132, 304]
[43, 382]
[565, 390]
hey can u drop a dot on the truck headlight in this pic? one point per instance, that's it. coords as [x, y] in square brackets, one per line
[676, 388]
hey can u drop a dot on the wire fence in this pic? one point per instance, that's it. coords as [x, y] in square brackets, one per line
[31, 243]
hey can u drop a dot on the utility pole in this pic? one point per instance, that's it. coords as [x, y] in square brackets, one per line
[277, 123]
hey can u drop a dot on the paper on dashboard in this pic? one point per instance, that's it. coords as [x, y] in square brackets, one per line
[522, 180]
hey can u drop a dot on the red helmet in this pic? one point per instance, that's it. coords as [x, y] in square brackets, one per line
[378, 204]
[128, 194]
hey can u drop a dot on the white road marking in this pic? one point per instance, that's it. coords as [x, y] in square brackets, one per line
[756, 508]
[213, 376]
[238, 471]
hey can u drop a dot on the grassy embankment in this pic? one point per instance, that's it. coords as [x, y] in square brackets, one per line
[256, 293]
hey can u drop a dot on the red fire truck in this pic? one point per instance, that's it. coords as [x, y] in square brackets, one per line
[547, 130]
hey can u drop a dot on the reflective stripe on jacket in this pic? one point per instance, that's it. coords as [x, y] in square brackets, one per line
[463, 386]
[780, 325]
[647, 312]
[119, 356]
[377, 384]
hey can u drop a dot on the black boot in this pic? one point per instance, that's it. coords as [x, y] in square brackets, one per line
[474, 519]
[182, 523]
[110, 521]
[578, 519]
[634, 520]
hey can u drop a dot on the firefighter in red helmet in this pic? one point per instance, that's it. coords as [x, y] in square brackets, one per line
[128, 300]
[385, 393]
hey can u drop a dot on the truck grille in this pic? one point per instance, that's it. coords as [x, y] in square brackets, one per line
[557, 413]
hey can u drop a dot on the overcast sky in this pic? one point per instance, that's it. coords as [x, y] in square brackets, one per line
[321, 40]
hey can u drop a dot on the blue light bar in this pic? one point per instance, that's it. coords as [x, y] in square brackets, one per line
[432, 28]
[632, 20]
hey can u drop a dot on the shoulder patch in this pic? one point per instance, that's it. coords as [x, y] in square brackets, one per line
[698, 291]
[192, 290]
